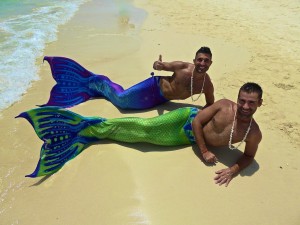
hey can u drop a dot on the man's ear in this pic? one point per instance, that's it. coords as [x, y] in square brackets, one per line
[194, 60]
[260, 102]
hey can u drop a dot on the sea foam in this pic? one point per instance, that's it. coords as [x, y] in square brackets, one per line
[22, 40]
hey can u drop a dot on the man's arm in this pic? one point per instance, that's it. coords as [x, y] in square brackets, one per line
[202, 118]
[225, 175]
[168, 66]
[209, 94]
[249, 153]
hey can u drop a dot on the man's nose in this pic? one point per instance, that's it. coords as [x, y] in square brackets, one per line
[202, 62]
[246, 106]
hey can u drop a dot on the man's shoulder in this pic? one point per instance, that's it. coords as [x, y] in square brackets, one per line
[256, 130]
[222, 106]
[224, 102]
[208, 80]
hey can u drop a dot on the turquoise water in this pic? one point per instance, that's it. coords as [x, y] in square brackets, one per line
[25, 28]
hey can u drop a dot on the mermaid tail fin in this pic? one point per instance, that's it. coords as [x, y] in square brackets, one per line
[72, 79]
[63, 136]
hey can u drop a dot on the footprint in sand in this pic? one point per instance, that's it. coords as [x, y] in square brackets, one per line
[284, 86]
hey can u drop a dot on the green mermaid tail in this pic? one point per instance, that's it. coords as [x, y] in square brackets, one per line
[67, 134]
[170, 129]
[62, 133]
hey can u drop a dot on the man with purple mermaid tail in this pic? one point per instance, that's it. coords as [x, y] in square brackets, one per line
[75, 84]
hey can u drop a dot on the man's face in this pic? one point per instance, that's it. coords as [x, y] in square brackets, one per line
[202, 62]
[247, 104]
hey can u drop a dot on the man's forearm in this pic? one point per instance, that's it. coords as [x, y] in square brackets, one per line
[210, 99]
[241, 164]
[198, 133]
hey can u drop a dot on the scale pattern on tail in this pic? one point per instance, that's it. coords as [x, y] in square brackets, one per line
[67, 134]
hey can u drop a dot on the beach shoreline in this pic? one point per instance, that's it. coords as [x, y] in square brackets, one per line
[113, 183]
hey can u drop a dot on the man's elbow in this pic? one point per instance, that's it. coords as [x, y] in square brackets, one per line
[210, 101]
[195, 125]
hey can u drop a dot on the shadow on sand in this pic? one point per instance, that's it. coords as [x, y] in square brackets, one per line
[224, 154]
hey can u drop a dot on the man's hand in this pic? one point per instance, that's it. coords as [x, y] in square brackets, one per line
[224, 176]
[158, 65]
[209, 157]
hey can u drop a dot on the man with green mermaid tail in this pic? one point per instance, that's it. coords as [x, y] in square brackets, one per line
[66, 134]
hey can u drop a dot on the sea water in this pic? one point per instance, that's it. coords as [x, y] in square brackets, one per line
[25, 28]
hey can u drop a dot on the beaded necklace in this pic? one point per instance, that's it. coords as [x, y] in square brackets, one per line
[231, 134]
[192, 87]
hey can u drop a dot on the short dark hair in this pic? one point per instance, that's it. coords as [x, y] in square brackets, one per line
[251, 87]
[205, 50]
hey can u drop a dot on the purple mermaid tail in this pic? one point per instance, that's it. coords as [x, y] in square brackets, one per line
[75, 85]
[72, 79]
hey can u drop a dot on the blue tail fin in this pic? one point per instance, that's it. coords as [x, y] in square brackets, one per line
[63, 134]
[72, 79]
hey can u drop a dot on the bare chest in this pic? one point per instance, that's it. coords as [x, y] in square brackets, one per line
[218, 131]
[189, 84]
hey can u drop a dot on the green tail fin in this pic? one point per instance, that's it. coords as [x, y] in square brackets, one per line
[60, 130]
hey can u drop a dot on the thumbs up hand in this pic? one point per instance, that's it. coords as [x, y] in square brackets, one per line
[160, 58]
[158, 65]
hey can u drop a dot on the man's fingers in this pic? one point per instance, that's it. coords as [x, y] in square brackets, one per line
[160, 58]
[210, 160]
[219, 180]
[222, 177]
[219, 171]
[227, 182]
[223, 181]
[217, 177]
[214, 159]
